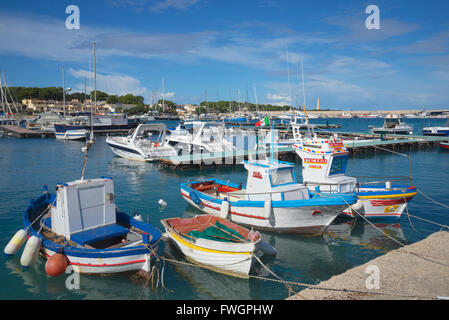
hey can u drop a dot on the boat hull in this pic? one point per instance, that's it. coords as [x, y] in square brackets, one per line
[443, 146]
[380, 203]
[125, 151]
[71, 135]
[226, 260]
[285, 216]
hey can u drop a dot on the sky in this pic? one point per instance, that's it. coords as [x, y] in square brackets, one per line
[255, 50]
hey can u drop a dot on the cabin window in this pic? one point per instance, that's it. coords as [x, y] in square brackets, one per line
[280, 177]
[338, 165]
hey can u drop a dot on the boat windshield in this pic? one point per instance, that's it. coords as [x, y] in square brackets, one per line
[281, 177]
[338, 165]
[391, 123]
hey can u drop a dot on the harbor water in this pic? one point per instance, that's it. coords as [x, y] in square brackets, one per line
[27, 164]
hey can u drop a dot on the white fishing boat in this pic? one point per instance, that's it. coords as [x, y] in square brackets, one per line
[393, 124]
[146, 143]
[80, 226]
[214, 243]
[324, 165]
[202, 137]
[272, 200]
[80, 134]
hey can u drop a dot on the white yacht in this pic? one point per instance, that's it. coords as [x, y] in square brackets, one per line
[146, 143]
[393, 124]
[202, 137]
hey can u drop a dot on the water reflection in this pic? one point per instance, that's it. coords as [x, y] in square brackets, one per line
[134, 172]
[374, 236]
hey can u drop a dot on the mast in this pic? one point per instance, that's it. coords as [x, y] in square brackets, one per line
[303, 90]
[163, 94]
[95, 79]
[289, 86]
[63, 91]
[9, 92]
[255, 95]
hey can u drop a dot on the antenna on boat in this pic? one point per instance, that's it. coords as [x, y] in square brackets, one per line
[304, 94]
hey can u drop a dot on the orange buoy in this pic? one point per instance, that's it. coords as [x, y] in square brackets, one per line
[56, 264]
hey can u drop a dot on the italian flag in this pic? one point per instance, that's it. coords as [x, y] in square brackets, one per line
[264, 122]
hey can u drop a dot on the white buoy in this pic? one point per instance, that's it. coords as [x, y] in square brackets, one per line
[388, 185]
[357, 206]
[267, 207]
[30, 251]
[224, 209]
[162, 203]
[138, 217]
[266, 248]
[15, 243]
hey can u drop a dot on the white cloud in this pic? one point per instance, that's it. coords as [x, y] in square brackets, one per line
[168, 95]
[112, 84]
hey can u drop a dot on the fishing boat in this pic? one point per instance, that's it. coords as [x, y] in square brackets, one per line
[80, 134]
[80, 226]
[273, 200]
[443, 145]
[393, 124]
[146, 143]
[214, 243]
[324, 164]
[201, 137]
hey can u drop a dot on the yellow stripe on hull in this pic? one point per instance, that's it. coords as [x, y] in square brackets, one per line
[389, 196]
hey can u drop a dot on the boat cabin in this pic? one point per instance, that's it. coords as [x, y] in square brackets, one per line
[324, 163]
[153, 134]
[273, 177]
[85, 213]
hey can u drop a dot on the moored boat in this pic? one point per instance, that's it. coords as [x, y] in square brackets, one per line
[273, 200]
[146, 143]
[444, 145]
[435, 131]
[81, 221]
[80, 134]
[393, 124]
[214, 243]
[324, 165]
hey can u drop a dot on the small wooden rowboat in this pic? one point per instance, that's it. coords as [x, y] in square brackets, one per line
[214, 243]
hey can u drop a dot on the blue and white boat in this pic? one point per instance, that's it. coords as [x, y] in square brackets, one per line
[324, 162]
[82, 220]
[80, 134]
[273, 200]
[436, 131]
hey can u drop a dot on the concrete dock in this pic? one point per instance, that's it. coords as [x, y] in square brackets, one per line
[416, 271]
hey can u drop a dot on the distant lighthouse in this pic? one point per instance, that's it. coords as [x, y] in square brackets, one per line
[318, 104]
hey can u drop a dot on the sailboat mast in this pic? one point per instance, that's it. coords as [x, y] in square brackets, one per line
[289, 86]
[255, 95]
[163, 94]
[95, 78]
[303, 90]
[63, 91]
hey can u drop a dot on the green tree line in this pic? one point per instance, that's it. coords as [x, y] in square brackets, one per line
[233, 106]
[55, 93]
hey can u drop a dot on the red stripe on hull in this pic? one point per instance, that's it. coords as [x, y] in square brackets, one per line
[231, 212]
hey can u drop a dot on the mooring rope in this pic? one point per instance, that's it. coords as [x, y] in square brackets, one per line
[423, 256]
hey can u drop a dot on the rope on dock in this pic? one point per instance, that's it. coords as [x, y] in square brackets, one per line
[307, 285]
[422, 256]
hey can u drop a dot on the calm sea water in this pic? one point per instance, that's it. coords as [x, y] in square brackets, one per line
[27, 164]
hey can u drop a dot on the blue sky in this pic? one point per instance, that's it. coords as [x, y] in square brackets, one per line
[223, 49]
